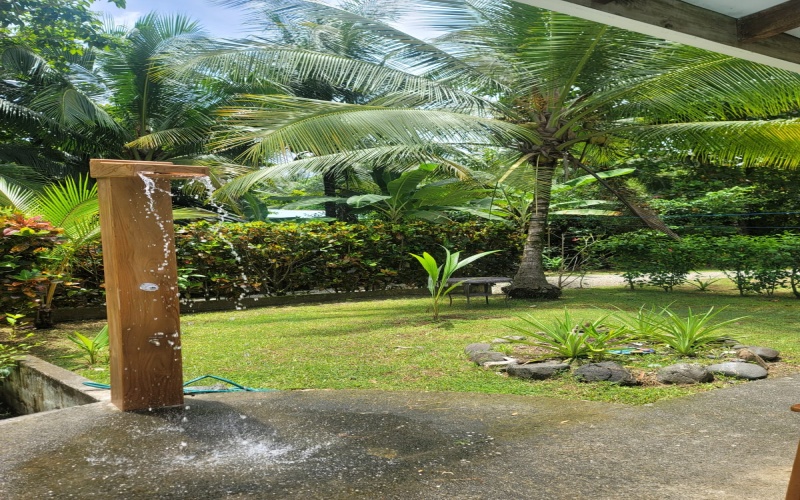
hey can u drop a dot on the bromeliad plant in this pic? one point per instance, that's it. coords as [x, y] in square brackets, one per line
[438, 275]
[573, 339]
[690, 335]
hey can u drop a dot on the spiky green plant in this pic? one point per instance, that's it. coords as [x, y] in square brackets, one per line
[438, 275]
[691, 334]
[572, 339]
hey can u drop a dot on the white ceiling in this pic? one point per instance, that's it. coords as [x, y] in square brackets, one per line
[735, 9]
[740, 8]
[708, 24]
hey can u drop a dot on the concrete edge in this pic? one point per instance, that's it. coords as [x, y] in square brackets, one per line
[35, 385]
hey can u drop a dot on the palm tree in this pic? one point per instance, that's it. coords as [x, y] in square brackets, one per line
[554, 91]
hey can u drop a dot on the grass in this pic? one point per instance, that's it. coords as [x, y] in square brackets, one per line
[394, 345]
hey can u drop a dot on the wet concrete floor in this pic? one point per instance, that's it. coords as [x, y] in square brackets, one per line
[732, 443]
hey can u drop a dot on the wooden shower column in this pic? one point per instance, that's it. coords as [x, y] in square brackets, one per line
[141, 280]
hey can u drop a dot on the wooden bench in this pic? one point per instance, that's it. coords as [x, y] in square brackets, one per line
[472, 286]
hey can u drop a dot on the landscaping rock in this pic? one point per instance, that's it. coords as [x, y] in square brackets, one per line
[684, 373]
[606, 371]
[750, 356]
[747, 371]
[486, 357]
[477, 347]
[765, 353]
[536, 371]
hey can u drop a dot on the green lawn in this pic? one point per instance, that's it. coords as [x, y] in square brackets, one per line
[394, 345]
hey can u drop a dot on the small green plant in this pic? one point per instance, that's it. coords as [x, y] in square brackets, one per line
[643, 324]
[438, 275]
[568, 339]
[688, 335]
[13, 348]
[507, 349]
[91, 347]
[702, 284]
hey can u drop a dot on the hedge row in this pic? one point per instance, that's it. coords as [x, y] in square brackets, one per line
[756, 264]
[235, 260]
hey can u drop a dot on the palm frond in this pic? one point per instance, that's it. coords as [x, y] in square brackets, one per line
[279, 125]
[396, 158]
[15, 196]
[774, 143]
[71, 205]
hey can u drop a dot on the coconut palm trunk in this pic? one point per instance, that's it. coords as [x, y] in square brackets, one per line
[530, 281]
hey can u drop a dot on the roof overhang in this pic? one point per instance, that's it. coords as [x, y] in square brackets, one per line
[758, 36]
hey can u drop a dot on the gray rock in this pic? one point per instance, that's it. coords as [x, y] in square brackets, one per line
[481, 357]
[765, 353]
[739, 370]
[477, 347]
[750, 356]
[606, 371]
[537, 371]
[684, 373]
[501, 341]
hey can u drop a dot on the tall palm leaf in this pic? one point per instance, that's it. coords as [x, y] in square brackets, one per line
[554, 89]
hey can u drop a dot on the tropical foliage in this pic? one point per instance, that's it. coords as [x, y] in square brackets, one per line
[554, 93]
[439, 276]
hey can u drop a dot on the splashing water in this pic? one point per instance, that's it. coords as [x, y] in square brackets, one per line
[150, 189]
[217, 232]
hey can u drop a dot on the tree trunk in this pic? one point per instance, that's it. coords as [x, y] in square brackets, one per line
[329, 189]
[530, 282]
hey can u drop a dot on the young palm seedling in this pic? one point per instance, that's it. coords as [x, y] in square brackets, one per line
[91, 347]
[438, 275]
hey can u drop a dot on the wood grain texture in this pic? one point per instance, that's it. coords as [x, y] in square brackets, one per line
[124, 168]
[685, 23]
[142, 293]
[769, 22]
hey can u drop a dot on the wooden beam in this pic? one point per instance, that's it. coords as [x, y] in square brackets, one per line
[141, 282]
[685, 23]
[769, 22]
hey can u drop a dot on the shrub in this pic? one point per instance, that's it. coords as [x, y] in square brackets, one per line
[24, 245]
[652, 258]
[688, 335]
[756, 264]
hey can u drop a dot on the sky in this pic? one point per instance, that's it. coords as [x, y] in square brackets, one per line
[219, 21]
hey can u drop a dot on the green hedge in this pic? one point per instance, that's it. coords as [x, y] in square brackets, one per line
[756, 264]
[234, 260]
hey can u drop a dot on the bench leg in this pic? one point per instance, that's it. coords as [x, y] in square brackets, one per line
[487, 289]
